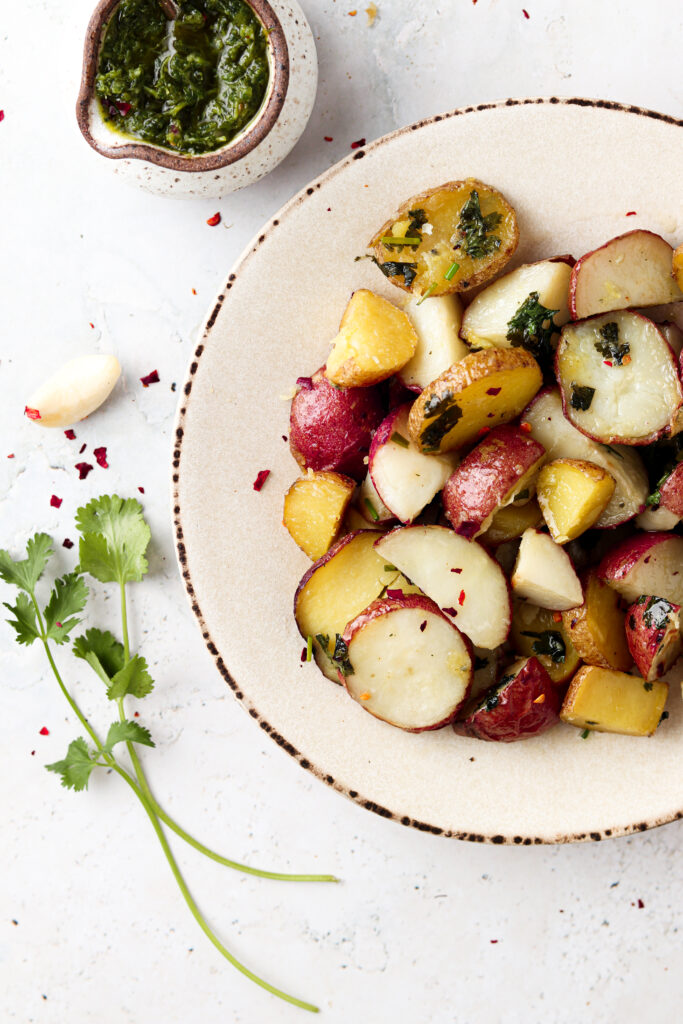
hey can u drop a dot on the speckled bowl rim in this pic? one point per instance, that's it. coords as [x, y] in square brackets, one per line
[236, 150]
[274, 224]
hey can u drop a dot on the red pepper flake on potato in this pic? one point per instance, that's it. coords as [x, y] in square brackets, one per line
[213, 221]
[66, 543]
[457, 570]
[33, 414]
[461, 598]
[365, 695]
[45, 731]
[357, 144]
[83, 469]
[150, 378]
[493, 391]
[423, 626]
[55, 502]
[101, 457]
[70, 434]
[328, 138]
[526, 427]
[449, 611]
[261, 478]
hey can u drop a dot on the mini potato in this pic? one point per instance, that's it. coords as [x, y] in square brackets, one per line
[480, 392]
[511, 522]
[572, 494]
[608, 701]
[447, 239]
[653, 632]
[524, 703]
[314, 508]
[437, 321]
[596, 628]
[375, 340]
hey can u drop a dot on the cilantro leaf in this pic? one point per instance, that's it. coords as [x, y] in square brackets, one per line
[102, 651]
[25, 573]
[114, 538]
[133, 679]
[76, 767]
[24, 621]
[127, 731]
[67, 599]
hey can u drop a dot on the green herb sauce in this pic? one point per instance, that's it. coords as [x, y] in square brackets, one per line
[189, 85]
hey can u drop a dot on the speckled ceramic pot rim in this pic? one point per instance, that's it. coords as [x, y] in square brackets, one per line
[422, 826]
[248, 140]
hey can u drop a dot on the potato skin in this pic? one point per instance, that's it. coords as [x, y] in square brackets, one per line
[452, 194]
[450, 390]
[331, 428]
[671, 491]
[509, 712]
[653, 635]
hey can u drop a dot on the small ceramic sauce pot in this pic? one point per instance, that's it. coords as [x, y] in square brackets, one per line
[258, 148]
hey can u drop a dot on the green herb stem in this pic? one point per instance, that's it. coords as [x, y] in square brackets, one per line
[426, 295]
[194, 909]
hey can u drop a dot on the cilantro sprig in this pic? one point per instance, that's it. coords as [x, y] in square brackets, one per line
[114, 538]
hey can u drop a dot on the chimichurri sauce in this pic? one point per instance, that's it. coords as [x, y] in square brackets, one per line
[190, 85]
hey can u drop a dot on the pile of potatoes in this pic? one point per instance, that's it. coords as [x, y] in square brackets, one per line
[490, 491]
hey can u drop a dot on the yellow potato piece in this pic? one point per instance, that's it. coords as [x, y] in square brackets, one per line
[314, 509]
[480, 392]
[337, 589]
[442, 243]
[375, 340]
[511, 521]
[608, 701]
[677, 266]
[597, 627]
[572, 494]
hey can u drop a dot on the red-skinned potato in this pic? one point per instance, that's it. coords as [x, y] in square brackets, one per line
[618, 378]
[524, 703]
[331, 428]
[634, 269]
[406, 663]
[404, 478]
[437, 322]
[647, 563]
[562, 440]
[499, 470]
[657, 519]
[671, 491]
[653, 634]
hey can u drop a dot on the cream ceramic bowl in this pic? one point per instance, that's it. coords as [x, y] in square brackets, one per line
[259, 147]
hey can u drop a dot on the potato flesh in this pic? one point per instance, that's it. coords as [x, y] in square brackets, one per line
[488, 388]
[443, 207]
[340, 589]
[486, 319]
[597, 627]
[371, 506]
[411, 677]
[561, 439]
[609, 701]
[544, 573]
[657, 519]
[632, 270]
[530, 618]
[511, 522]
[437, 322]
[314, 509]
[677, 266]
[375, 340]
[632, 403]
[458, 575]
[573, 495]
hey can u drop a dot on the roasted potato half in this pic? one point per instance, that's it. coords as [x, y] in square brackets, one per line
[447, 239]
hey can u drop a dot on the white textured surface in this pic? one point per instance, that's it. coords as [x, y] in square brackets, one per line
[101, 933]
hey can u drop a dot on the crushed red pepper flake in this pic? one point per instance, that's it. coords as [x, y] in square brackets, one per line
[423, 626]
[136, 714]
[261, 478]
[328, 138]
[45, 731]
[640, 904]
[526, 13]
[141, 490]
[492, 941]
[194, 291]
[358, 144]
[304, 652]
[101, 457]
[55, 501]
[82, 449]
[461, 598]
[482, 431]
[352, 14]
[557, 616]
[626, 360]
[631, 213]
[284, 437]
[66, 543]
[2, 115]
[457, 570]
[449, 611]
[11, 455]
[304, 383]
[83, 469]
[71, 434]
[365, 695]
[213, 221]
[150, 378]
[540, 699]
[91, 324]
[33, 414]
[494, 391]
[526, 427]
[607, 362]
